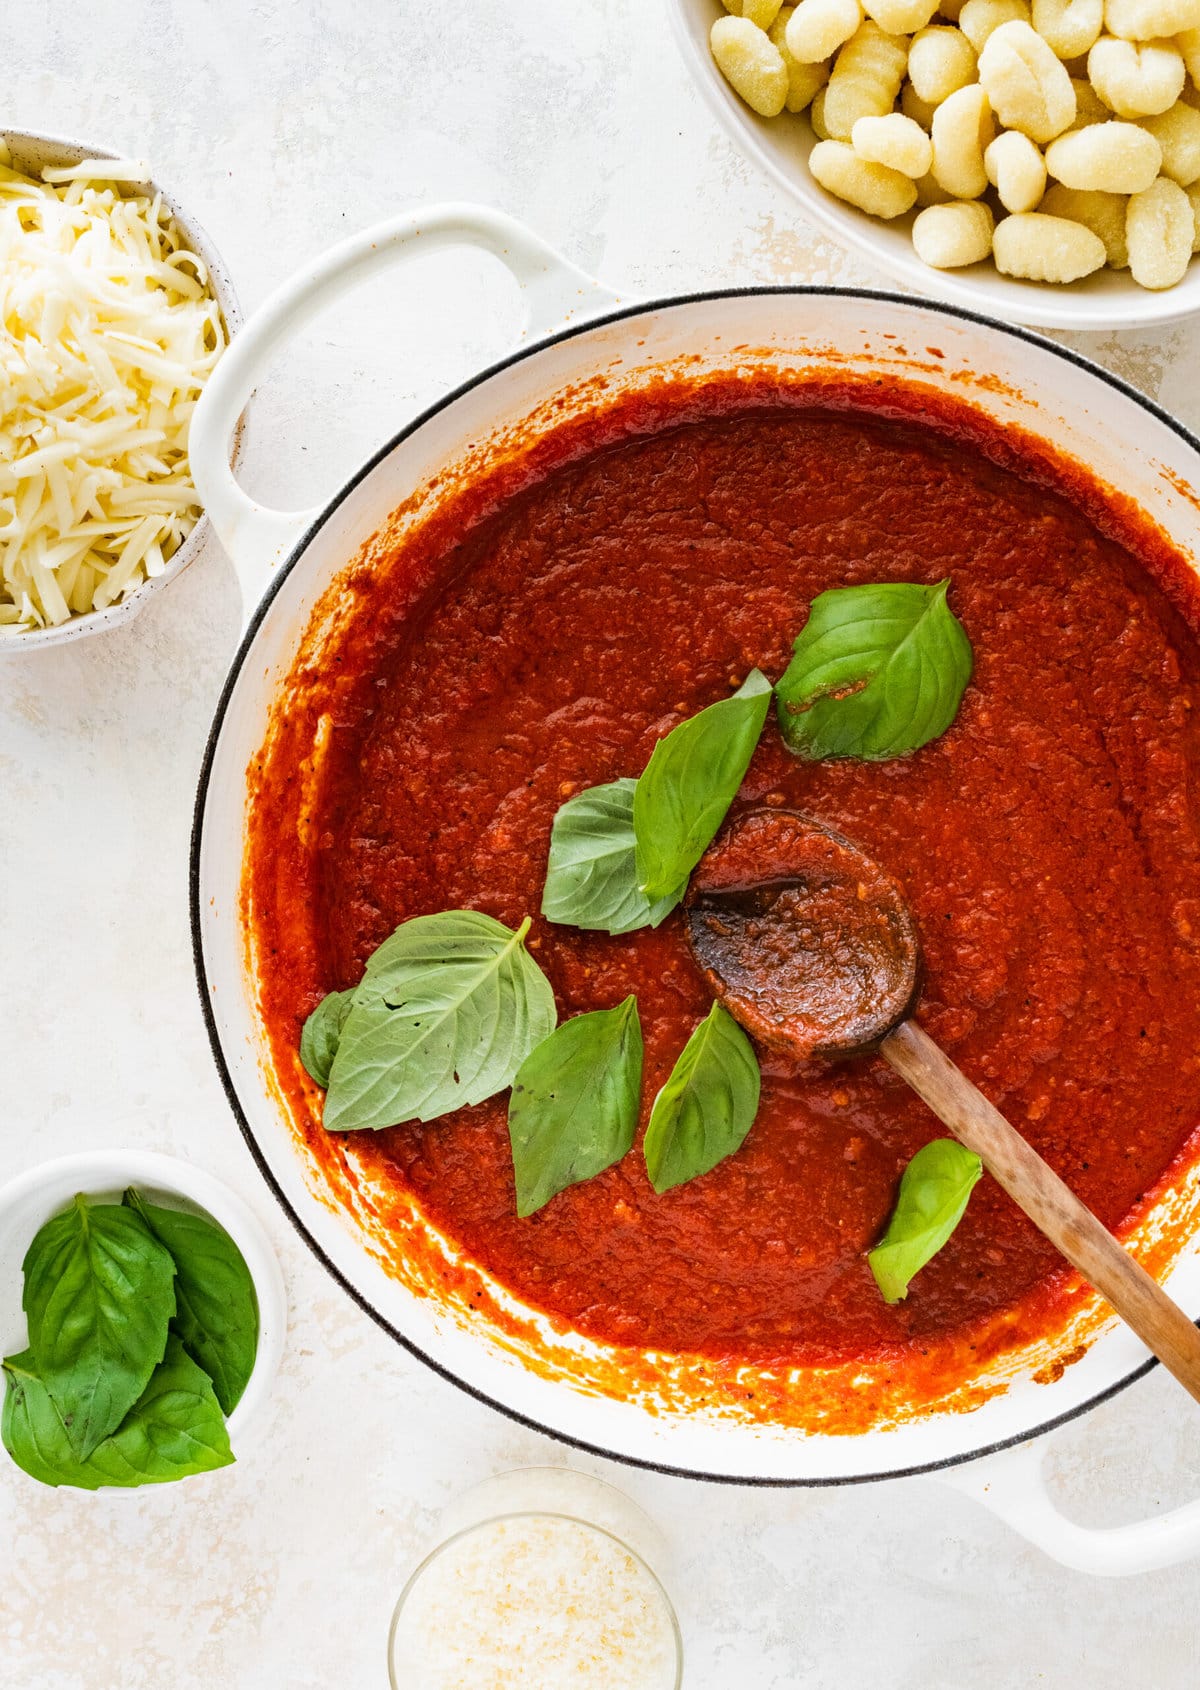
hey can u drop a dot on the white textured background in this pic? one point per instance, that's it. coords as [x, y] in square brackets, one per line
[283, 126]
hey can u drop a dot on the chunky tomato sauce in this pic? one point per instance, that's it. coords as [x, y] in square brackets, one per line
[539, 639]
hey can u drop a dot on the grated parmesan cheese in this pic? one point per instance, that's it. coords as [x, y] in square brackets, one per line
[108, 331]
[534, 1602]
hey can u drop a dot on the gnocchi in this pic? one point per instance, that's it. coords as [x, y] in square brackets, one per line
[1027, 87]
[1136, 78]
[1178, 134]
[760, 12]
[979, 18]
[1017, 171]
[940, 61]
[817, 28]
[804, 80]
[865, 79]
[1049, 136]
[896, 141]
[1121, 157]
[1160, 229]
[1041, 248]
[871, 187]
[751, 64]
[1146, 20]
[1070, 28]
[948, 236]
[1102, 213]
[962, 129]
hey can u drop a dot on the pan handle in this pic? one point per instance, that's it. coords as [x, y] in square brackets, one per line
[1012, 1485]
[256, 537]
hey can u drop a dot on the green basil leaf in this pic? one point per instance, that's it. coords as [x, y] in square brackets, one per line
[216, 1309]
[591, 877]
[877, 671]
[933, 1196]
[689, 783]
[99, 1298]
[707, 1106]
[448, 1009]
[574, 1105]
[321, 1033]
[175, 1428]
[30, 1428]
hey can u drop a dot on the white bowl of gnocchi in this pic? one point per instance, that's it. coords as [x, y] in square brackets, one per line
[1038, 160]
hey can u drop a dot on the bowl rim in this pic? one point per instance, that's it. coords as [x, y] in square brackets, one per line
[1008, 299]
[106, 1170]
[198, 240]
[299, 545]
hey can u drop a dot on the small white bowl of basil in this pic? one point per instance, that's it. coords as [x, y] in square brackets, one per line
[142, 1318]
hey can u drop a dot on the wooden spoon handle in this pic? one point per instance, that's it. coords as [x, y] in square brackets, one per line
[1052, 1206]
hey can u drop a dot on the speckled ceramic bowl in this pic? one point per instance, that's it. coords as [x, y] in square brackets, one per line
[31, 153]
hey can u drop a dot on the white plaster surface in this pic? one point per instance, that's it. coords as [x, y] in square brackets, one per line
[284, 124]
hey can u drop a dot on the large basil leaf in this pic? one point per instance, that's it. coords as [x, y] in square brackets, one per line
[933, 1197]
[99, 1298]
[321, 1033]
[574, 1105]
[216, 1309]
[877, 671]
[591, 877]
[175, 1428]
[448, 1009]
[707, 1106]
[689, 783]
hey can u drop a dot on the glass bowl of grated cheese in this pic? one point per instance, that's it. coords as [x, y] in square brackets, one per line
[114, 308]
[543, 1582]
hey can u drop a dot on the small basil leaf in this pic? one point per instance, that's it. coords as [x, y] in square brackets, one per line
[448, 1009]
[878, 671]
[591, 878]
[30, 1427]
[216, 1309]
[321, 1033]
[175, 1428]
[933, 1196]
[689, 783]
[574, 1105]
[707, 1106]
[98, 1296]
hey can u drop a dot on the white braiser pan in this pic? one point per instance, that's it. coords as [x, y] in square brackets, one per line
[285, 561]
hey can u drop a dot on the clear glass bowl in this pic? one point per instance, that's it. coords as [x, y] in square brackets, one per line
[499, 1528]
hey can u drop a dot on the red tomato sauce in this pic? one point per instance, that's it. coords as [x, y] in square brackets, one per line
[521, 648]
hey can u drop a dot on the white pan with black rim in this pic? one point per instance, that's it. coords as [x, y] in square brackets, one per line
[287, 560]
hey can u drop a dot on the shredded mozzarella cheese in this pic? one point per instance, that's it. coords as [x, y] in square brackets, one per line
[108, 331]
[534, 1603]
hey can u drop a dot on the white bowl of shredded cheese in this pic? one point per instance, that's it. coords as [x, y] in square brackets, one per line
[114, 308]
[542, 1584]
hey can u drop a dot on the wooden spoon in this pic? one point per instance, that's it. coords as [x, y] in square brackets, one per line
[812, 946]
